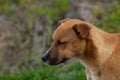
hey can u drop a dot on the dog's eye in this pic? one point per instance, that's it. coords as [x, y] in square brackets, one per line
[60, 42]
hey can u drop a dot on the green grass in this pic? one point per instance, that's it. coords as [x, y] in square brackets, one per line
[70, 71]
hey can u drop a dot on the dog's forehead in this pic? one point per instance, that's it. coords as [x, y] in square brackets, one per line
[64, 29]
[60, 32]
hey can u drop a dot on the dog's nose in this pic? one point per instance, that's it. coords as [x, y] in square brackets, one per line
[44, 58]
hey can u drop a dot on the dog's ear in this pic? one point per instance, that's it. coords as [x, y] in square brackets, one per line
[62, 21]
[82, 30]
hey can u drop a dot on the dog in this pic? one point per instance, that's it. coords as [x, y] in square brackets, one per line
[97, 50]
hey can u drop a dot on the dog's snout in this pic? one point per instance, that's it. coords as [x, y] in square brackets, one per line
[44, 58]
[46, 55]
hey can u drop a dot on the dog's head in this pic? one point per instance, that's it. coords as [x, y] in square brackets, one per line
[69, 40]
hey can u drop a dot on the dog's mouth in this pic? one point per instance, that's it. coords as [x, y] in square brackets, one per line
[62, 61]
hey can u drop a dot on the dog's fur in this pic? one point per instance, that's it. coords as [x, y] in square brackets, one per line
[97, 50]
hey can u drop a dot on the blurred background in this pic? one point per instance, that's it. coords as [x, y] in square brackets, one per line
[26, 27]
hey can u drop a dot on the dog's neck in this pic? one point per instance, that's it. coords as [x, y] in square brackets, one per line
[104, 43]
[97, 49]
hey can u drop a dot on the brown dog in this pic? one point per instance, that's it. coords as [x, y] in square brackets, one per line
[97, 50]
